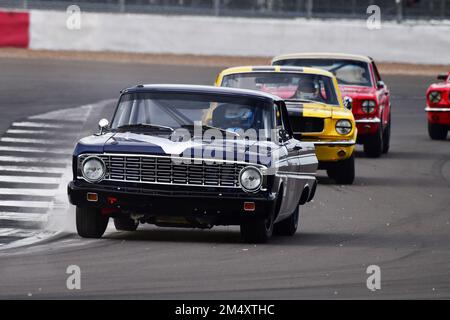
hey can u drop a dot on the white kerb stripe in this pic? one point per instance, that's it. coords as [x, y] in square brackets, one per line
[34, 159]
[28, 192]
[37, 150]
[27, 140]
[21, 216]
[33, 169]
[28, 179]
[23, 203]
[37, 124]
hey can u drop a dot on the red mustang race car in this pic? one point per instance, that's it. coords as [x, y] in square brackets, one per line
[362, 90]
[438, 108]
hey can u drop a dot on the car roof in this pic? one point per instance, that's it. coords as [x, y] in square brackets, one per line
[323, 55]
[290, 69]
[183, 88]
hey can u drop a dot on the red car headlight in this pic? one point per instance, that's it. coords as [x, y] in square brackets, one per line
[368, 106]
[434, 96]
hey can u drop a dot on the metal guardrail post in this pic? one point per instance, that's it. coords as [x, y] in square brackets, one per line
[399, 10]
[121, 5]
[309, 9]
[216, 7]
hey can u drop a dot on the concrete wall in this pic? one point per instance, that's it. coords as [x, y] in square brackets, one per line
[420, 43]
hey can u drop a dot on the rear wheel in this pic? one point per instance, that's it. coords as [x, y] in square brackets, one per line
[437, 131]
[125, 224]
[373, 146]
[90, 222]
[387, 137]
[343, 172]
[288, 226]
[257, 230]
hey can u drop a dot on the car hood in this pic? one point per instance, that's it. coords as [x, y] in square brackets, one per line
[134, 143]
[317, 110]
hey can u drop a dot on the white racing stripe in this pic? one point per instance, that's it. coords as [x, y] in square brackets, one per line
[28, 179]
[28, 192]
[33, 159]
[21, 216]
[28, 140]
[24, 204]
[37, 124]
[32, 169]
[37, 150]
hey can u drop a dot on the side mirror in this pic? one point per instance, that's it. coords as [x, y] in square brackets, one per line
[380, 84]
[442, 77]
[348, 103]
[284, 135]
[103, 125]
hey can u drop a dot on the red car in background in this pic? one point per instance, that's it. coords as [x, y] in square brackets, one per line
[438, 108]
[362, 89]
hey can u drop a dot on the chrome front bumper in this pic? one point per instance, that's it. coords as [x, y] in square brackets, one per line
[336, 143]
[368, 120]
[428, 109]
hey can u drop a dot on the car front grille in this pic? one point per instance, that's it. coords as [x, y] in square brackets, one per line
[307, 124]
[168, 170]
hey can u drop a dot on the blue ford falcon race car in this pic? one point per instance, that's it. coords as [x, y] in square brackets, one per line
[193, 156]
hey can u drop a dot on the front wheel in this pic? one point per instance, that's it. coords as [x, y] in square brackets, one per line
[288, 226]
[437, 131]
[343, 172]
[387, 137]
[257, 230]
[373, 146]
[90, 222]
[125, 224]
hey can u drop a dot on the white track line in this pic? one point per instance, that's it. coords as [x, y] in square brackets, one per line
[37, 150]
[29, 140]
[21, 216]
[24, 204]
[34, 159]
[37, 124]
[28, 192]
[4, 232]
[29, 179]
[21, 131]
[33, 169]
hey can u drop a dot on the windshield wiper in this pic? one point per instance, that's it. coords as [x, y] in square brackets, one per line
[206, 127]
[145, 126]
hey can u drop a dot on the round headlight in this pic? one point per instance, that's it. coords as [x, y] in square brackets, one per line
[343, 126]
[250, 179]
[93, 169]
[368, 106]
[434, 96]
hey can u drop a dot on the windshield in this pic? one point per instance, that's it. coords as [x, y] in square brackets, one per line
[159, 113]
[288, 86]
[347, 72]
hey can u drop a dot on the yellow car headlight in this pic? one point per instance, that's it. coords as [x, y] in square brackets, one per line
[343, 126]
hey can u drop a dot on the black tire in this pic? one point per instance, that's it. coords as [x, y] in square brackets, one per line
[125, 224]
[387, 137]
[343, 172]
[373, 146]
[437, 131]
[90, 222]
[257, 230]
[288, 226]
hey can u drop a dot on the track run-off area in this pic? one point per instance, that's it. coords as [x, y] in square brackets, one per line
[395, 216]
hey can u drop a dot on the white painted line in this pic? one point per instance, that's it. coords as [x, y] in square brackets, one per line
[34, 159]
[16, 232]
[24, 204]
[21, 216]
[20, 131]
[37, 124]
[28, 140]
[28, 192]
[33, 169]
[38, 150]
[28, 179]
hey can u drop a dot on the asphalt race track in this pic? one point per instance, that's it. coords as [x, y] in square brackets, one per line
[396, 215]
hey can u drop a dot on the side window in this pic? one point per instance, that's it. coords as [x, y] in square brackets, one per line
[377, 74]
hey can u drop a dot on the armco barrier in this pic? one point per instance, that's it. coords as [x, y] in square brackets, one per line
[14, 28]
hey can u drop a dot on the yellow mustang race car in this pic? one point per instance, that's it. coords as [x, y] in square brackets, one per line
[316, 110]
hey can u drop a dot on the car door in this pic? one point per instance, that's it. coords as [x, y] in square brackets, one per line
[383, 95]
